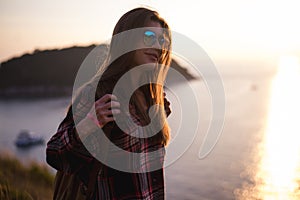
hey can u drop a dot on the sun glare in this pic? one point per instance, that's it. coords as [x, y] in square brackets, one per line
[288, 66]
[280, 163]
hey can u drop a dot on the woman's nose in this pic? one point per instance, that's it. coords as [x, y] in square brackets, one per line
[156, 45]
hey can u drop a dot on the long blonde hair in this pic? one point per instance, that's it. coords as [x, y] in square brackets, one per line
[112, 69]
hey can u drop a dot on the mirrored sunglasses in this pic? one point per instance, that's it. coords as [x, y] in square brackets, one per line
[150, 38]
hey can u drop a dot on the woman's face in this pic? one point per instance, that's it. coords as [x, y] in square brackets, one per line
[149, 53]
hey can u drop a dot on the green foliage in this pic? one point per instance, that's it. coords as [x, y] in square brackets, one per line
[21, 182]
[8, 193]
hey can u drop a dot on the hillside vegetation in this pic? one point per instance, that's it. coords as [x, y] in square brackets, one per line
[52, 72]
[24, 182]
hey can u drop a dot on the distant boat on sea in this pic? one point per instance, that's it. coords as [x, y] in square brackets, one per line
[27, 138]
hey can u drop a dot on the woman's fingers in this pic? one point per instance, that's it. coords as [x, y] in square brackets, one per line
[166, 102]
[167, 105]
[107, 102]
[113, 111]
[111, 104]
[104, 117]
[109, 108]
[105, 120]
[106, 98]
[105, 108]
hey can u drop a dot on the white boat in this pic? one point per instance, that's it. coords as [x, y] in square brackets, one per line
[27, 138]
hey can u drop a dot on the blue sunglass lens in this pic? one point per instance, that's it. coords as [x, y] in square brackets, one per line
[161, 40]
[149, 38]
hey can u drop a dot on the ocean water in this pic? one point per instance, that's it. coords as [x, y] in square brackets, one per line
[234, 169]
[39, 116]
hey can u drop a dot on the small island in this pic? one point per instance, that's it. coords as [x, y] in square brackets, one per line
[51, 73]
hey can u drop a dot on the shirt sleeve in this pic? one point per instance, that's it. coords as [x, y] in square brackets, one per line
[65, 151]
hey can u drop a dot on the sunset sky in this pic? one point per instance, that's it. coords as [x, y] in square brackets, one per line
[227, 30]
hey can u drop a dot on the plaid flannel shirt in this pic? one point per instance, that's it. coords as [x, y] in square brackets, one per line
[66, 153]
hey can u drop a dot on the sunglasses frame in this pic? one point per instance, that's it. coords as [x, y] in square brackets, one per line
[150, 38]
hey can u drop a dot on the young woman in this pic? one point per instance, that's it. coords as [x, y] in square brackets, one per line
[80, 175]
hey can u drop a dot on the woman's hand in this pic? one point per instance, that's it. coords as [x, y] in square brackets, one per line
[167, 105]
[105, 108]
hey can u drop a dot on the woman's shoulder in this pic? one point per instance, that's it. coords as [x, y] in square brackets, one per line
[83, 100]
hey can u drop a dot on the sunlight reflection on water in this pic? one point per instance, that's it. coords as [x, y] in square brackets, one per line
[277, 175]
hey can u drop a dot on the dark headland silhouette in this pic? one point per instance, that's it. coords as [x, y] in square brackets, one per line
[51, 73]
